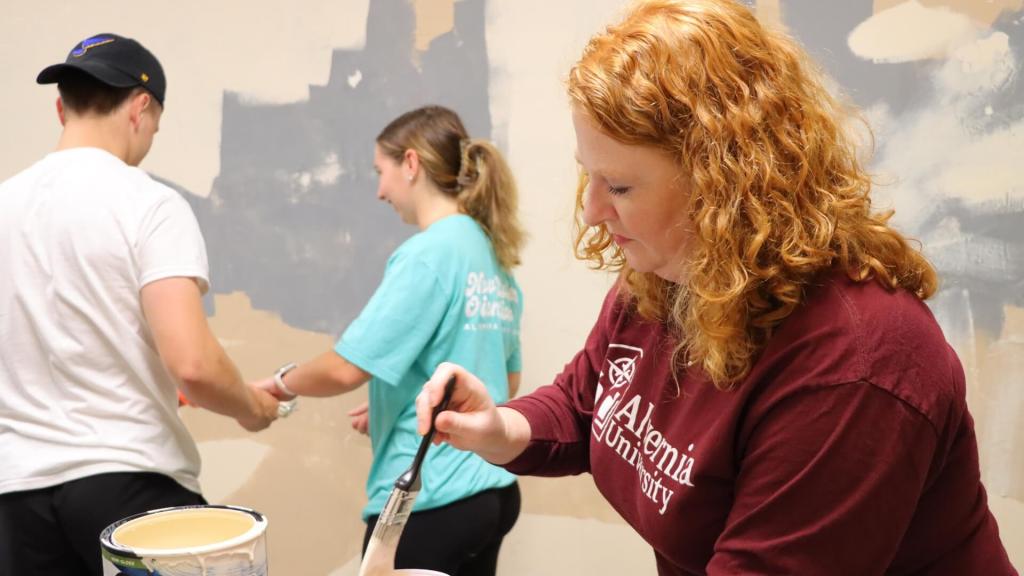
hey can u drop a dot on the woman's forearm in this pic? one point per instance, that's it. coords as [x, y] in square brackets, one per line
[328, 374]
[515, 438]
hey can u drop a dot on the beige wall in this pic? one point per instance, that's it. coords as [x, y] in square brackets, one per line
[306, 473]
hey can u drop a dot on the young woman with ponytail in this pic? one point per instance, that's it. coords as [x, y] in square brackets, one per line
[448, 294]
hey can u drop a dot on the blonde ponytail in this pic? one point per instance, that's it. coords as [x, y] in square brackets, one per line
[473, 172]
[488, 194]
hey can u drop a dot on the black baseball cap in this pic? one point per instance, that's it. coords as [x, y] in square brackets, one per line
[113, 60]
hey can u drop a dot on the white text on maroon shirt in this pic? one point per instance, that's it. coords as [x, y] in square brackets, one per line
[622, 422]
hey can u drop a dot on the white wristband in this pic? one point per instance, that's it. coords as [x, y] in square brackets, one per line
[279, 379]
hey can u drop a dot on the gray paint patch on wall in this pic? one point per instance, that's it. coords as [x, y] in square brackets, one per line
[977, 245]
[982, 252]
[293, 219]
[822, 28]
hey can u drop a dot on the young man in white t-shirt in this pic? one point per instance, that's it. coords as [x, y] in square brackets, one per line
[102, 270]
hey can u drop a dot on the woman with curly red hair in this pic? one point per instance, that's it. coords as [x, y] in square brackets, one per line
[764, 390]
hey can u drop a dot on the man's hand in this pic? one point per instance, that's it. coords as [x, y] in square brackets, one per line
[264, 412]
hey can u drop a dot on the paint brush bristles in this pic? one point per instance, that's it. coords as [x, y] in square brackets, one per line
[379, 558]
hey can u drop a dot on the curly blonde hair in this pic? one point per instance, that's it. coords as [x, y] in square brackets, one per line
[778, 193]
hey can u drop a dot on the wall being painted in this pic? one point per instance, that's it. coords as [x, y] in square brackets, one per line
[939, 82]
[270, 119]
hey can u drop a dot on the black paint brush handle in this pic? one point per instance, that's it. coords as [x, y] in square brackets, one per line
[410, 479]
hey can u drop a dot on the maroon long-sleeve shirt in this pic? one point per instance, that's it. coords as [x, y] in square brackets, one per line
[848, 449]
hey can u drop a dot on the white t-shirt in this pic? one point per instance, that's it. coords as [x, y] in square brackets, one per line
[82, 388]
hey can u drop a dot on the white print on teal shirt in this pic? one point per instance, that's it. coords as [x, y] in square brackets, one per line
[489, 300]
[618, 424]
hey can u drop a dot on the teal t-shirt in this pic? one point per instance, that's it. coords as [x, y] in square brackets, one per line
[443, 298]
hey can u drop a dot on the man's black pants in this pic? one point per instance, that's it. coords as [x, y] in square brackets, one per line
[56, 531]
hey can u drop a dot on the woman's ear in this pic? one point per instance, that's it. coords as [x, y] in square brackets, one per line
[410, 164]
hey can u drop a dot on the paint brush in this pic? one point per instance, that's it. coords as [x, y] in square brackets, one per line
[380, 551]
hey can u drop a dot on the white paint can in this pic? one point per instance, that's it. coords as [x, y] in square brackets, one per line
[208, 540]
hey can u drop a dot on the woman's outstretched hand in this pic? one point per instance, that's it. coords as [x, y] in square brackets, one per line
[360, 418]
[472, 421]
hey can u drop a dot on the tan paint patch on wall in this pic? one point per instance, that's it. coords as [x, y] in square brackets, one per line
[999, 396]
[310, 479]
[984, 13]
[769, 12]
[433, 18]
[883, 37]
[229, 464]
[572, 496]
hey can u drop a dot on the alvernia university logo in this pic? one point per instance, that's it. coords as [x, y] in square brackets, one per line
[623, 422]
[618, 373]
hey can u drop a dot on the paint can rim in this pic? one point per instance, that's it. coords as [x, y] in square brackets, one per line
[115, 551]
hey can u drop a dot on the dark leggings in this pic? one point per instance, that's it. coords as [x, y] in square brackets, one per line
[56, 530]
[459, 539]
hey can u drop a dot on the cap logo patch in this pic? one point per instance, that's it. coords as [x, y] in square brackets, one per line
[90, 43]
[144, 77]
